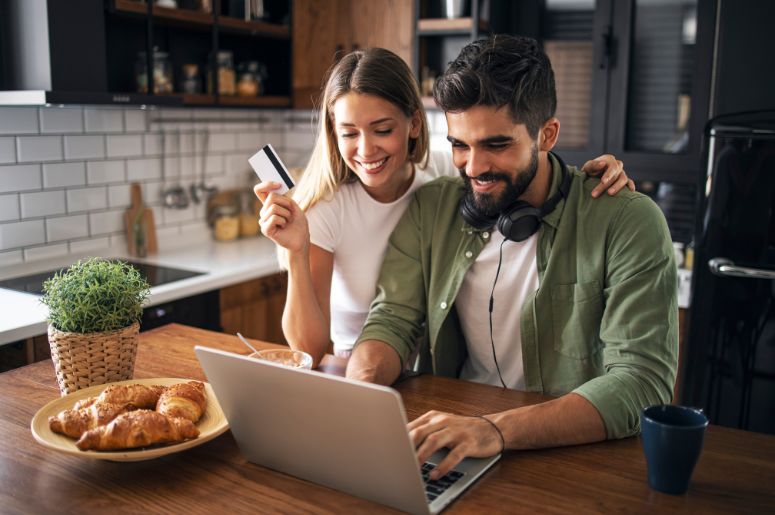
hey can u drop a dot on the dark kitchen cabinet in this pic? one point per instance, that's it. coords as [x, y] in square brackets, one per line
[194, 37]
[91, 51]
[633, 79]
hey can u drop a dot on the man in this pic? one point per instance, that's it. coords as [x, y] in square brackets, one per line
[583, 309]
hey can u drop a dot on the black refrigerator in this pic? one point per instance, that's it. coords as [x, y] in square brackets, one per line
[729, 362]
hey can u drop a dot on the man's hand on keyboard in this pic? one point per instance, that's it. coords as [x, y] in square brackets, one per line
[463, 436]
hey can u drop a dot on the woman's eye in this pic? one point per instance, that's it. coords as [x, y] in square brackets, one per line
[384, 132]
[348, 135]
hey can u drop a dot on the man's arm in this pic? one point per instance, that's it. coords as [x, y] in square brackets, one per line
[374, 361]
[567, 420]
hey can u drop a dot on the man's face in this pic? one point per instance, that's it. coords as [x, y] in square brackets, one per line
[496, 157]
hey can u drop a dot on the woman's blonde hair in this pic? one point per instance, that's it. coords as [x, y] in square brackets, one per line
[374, 71]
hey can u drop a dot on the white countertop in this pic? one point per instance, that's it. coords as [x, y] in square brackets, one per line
[224, 264]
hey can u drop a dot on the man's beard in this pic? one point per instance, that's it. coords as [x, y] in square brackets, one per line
[494, 204]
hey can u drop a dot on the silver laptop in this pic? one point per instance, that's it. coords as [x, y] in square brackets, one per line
[344, 434]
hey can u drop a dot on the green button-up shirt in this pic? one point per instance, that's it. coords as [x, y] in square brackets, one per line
[603, 322]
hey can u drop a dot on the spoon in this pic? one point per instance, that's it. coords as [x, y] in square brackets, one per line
[247, 343]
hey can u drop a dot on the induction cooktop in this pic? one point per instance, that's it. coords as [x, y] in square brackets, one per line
[154, 274]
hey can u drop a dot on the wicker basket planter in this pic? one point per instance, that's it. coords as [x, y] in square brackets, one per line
[86, 359]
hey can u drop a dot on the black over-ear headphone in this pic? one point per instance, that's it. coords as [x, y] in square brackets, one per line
[519, 220]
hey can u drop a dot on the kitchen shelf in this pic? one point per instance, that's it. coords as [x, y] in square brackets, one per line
[203, 20]
[260, 101]
[254, 28]
[184, 16]
[448, 27]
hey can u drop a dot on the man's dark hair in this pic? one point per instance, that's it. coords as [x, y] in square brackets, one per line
[501, 71]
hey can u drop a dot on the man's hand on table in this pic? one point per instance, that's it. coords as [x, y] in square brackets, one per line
[463, 436]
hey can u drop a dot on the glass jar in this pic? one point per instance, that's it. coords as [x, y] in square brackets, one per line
[248, 217]
[162, 72]
[191, 82]
[226, 225]
[227, 83]
[248, 84]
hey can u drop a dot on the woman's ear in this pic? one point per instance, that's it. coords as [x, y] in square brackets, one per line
[547, 135]
[416, 125]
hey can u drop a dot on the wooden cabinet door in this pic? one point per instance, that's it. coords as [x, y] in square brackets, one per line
[384, 23]
[255, 308]
[325, 30]
[321, 31]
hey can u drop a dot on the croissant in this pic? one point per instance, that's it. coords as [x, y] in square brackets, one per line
[139, 428]
[85, 403]
[185, 400]
[75, 422]
[138, 395]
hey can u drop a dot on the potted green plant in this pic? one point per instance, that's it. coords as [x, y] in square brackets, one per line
[95, 308]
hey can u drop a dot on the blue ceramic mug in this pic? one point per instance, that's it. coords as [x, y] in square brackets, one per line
[672, 442]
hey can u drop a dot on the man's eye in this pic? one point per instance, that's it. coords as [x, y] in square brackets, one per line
[458, 145]
[497, 146]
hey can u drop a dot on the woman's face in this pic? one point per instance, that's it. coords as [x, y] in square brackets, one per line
[373, 139]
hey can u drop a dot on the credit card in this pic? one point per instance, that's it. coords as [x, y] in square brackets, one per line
[268, 167]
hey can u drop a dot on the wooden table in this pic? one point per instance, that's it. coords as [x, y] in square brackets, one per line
[736, 472]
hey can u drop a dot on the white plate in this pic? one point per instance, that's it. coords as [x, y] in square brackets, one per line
[212, 424]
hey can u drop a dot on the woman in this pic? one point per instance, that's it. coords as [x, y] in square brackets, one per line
[370, 155]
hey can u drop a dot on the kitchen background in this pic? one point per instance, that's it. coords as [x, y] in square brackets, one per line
[636, 78]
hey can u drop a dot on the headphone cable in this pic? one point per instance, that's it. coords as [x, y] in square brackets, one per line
[492, 302]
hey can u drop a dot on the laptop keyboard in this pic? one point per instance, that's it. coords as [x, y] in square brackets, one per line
[434, 488]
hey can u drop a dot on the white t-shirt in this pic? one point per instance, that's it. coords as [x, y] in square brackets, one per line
[355, 228]
[518, 278]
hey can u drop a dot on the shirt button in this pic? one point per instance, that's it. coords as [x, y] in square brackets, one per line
[443, 305]
[469, 253]
[486, 235]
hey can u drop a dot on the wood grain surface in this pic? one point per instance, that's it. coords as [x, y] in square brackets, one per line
[735, 474]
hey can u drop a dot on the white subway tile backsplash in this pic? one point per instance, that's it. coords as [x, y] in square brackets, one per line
[119, 196]
[222, 142]
[141, 169]
[100, 172]
[276, 138]
[104, 120]
[7, 150]
[134, 120]
[85, 192]
[42, 203]
[18, 120]
[61, 119]
[238, 165]
[106, 222]
[299, 140]
[152, 144]
[89, 246]
[22, 234]
[84, 147]
[252, 140]
[67, 227]
[20, 178]
[12, 257]
[124, 145]
[86, 199]
[179, 215]
[46, 252]
[56, 175]
[214, 165]
[9, 207]
[38, 148]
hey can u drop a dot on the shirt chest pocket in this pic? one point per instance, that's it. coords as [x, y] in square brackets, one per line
[577, 310]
